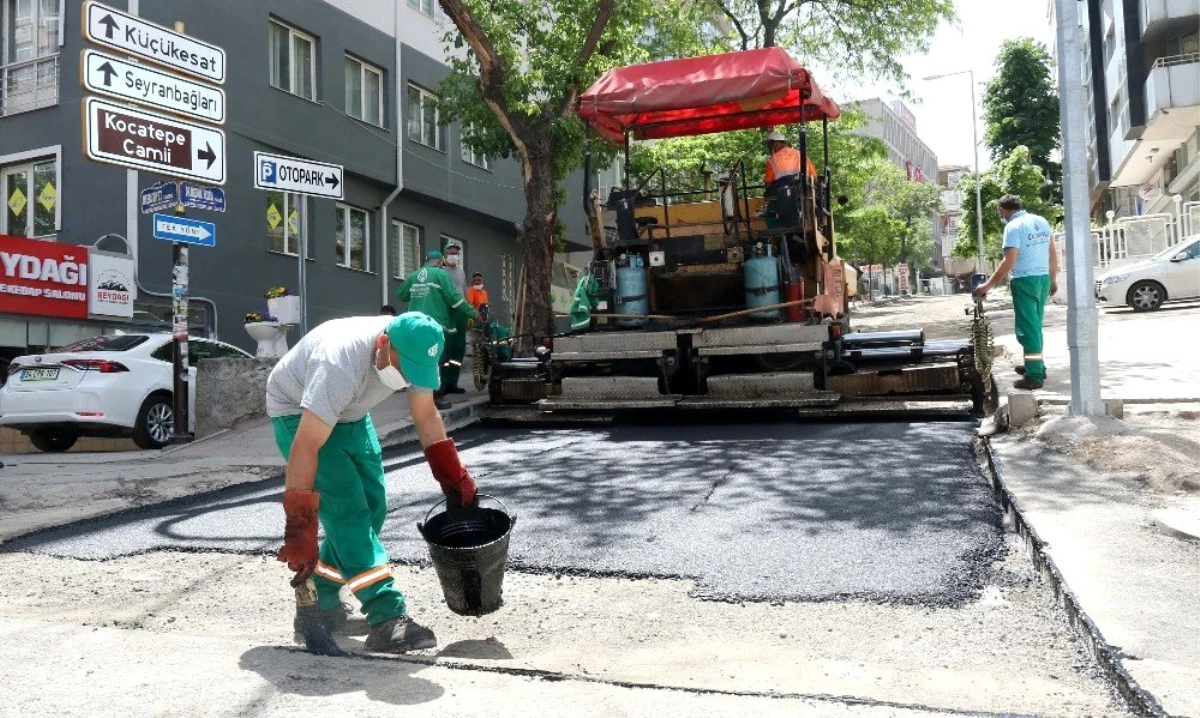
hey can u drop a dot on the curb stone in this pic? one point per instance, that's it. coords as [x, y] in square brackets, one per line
[1107, 656]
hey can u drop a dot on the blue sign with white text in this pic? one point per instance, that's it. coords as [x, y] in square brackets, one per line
[159, 196]
[201, 196]
[185, 230]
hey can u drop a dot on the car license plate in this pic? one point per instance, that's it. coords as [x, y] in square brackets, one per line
[39, 374]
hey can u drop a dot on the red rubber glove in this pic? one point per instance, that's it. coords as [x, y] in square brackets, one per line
[448, 471]
[300, 533]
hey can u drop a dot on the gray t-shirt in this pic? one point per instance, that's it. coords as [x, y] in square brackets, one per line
[458, 275]
[330, 372]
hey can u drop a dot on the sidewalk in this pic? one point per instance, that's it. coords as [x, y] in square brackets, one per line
[42, 490]
[1112, 505]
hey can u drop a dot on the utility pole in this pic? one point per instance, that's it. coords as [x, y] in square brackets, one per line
[1082, 317]
[179, 335]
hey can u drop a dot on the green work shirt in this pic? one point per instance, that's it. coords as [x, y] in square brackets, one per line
[431, 291]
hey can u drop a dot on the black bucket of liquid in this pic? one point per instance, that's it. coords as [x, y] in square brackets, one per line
[469, 548]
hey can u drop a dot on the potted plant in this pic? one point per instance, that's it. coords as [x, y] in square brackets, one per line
[258, 318]
[283, 304]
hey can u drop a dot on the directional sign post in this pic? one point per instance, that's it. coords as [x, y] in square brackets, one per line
[144, 140]
[104, 25]
[150, 87]
[185, 230]
[296, 174]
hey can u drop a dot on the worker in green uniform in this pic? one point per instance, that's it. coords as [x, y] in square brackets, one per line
[1030, 257]
[319, 396]
[456, 342]
[431, 291]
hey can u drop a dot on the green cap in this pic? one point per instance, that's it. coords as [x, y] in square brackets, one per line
[419, 341]
[433, 254]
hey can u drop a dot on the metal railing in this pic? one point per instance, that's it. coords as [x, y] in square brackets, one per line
[29, 85]
[1172, 60]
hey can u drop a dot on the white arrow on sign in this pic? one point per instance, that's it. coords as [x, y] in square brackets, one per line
[183, 230]
[123, 136]
[104, 25]
[147, 86]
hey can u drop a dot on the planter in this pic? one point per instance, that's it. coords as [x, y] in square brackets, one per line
[286, 309]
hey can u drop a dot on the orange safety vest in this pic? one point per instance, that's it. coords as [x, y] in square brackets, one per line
[786, 162]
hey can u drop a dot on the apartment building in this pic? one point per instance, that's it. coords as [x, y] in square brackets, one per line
[346, 82]
[1141, 70]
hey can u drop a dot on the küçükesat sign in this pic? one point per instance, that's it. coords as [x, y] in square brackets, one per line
[68, 281]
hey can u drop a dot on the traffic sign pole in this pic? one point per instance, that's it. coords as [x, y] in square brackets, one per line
[179, 339]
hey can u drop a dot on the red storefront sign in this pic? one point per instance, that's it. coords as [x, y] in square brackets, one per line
[43, 278]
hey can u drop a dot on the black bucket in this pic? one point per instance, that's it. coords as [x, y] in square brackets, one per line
[469, 548]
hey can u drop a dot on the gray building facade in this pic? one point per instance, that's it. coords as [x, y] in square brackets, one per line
[347, 82]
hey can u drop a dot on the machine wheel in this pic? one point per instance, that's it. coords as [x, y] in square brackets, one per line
[53, 441]
[1146, 296]
[155, 420]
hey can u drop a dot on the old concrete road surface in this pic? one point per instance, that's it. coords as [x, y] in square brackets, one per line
[891, 512]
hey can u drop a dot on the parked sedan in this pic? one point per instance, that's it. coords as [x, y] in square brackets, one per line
[114, 385]
[1171, 275]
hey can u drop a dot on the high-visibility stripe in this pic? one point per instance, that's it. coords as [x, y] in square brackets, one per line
[1033, 357]
[456, 304]
[369, 578]
[329, 572]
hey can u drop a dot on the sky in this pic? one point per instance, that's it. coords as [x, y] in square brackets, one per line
[943, 107]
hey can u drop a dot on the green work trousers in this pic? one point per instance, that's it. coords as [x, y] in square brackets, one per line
[455, 352]
[353, 506]
[1029, 305]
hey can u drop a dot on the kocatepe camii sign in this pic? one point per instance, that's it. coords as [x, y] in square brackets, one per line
[64, 280]
[43, 278]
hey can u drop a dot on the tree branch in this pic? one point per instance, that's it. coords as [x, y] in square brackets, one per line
[736, 23]
[603, 15]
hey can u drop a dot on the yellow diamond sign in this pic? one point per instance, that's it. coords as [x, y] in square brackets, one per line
[294, 222]
[17, 201]
[47, 197]
[273, 216]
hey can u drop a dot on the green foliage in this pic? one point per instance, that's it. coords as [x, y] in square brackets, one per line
[911, 206]
[1020, 106]
[861, 39]
[1016, 175]
[873, 238]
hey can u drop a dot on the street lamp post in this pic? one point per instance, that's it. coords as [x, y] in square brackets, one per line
[978, 179]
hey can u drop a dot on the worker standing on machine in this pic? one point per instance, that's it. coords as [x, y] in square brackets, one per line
[431, 290]
[783, 161]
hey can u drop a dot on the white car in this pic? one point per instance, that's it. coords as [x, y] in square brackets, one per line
[1169, 276]
[113, 385]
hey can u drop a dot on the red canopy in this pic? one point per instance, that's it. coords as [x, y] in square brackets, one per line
[698, 95]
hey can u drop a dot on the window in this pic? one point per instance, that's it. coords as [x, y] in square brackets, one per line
[470, 156]
[1188, 44]
[29, 57]
[285, 210]
[364, 91]
[30, 199]
[422, 116]
[508, 280]
[425, 6]
[404, 249]
[293, 63]
[352, 237]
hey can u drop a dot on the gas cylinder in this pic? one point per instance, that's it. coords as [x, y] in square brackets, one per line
[631, 291]
[762, 283]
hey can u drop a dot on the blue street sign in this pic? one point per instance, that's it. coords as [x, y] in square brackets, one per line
[202, 196]
[183, 229]
[159, 196]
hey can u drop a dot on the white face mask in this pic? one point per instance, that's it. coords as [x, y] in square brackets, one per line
[391, 376]
[478, 286]
[451, 259]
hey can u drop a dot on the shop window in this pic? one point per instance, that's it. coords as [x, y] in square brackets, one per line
[30, 194]
[285, 211]
[293, 62]
[352, 238]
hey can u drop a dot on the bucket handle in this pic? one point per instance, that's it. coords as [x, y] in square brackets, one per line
[512, 518]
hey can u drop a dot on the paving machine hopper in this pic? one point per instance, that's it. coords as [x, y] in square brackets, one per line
[730, 298]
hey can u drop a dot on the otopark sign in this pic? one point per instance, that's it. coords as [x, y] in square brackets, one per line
[145, 140]
[296, 174]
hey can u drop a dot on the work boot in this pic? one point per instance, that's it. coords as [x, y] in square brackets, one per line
[439, 400]
[1020, 370]
[456, 390]
[339, 620]
[1027, 384]
[399, 635]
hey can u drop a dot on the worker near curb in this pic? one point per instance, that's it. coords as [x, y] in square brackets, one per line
[431, 291]
[1030, 258]
[319, 396]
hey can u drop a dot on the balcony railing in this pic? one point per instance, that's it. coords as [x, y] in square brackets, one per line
[1173, 83]
[28, 85]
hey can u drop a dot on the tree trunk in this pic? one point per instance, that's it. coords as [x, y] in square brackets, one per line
[537, 241]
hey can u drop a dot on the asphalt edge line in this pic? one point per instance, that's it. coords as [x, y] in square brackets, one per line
[557, 676]
[1109, 659]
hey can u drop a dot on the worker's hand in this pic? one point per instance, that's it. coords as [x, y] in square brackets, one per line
[448, 471]
[983, 289]
[300, 534]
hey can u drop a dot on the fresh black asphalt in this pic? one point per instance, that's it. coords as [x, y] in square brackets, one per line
[891, 512]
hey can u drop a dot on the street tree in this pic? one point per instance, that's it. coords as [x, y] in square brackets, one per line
[516, 71]
[1015, 174]
[873, 238]
[861, 38]
[1020, 107]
